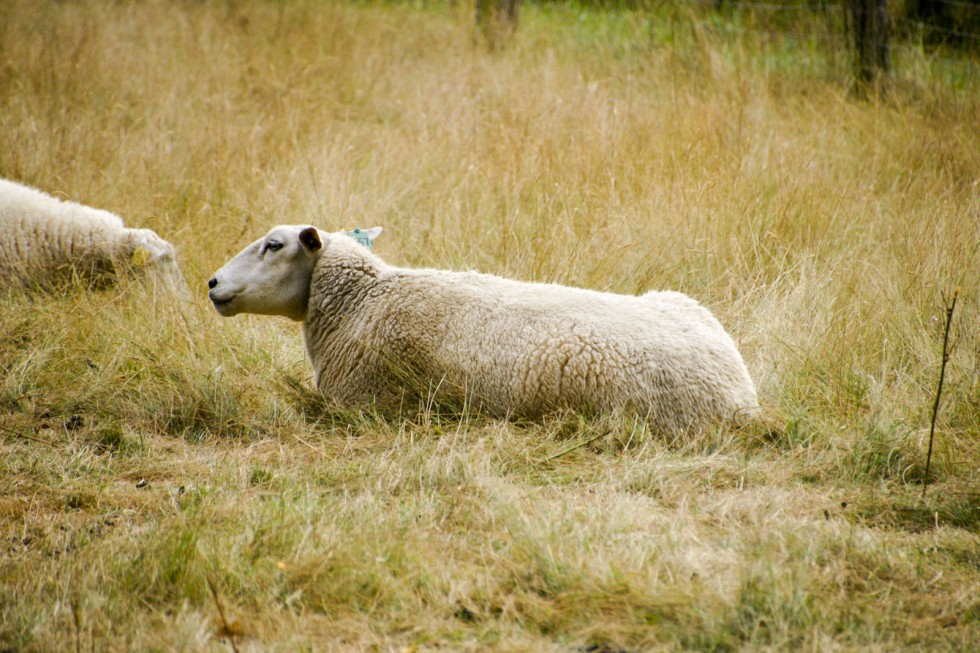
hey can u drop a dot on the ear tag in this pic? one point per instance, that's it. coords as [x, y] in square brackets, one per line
[141, 256]
[361, 237]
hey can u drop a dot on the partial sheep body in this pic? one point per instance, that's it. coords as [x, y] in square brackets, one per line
[376, 333]
[45, 241]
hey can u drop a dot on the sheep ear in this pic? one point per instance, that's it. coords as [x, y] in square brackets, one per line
[372, 233]
[364, 237]
[310, 239]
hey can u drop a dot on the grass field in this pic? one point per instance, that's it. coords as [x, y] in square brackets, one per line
[151, 451]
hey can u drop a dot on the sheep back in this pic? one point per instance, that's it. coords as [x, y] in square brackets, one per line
[376, 333]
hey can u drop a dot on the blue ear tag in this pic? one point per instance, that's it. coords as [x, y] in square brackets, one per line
[361, 237]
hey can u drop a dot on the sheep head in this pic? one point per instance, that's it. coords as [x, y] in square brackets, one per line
[146, 250]
[269, 277]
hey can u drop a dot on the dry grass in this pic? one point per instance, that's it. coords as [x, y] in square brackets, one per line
[149, 446]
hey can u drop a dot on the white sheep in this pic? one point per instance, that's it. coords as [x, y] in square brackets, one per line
[45, 241]
[378, 335]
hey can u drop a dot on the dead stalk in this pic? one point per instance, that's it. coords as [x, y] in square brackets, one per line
[570, 449]
[939, 390]
[77, 620]
[28, 437]
[221, 612]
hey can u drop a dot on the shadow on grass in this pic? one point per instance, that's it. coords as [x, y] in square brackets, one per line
[953, 509]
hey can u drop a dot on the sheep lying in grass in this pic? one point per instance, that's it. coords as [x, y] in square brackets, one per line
[45, 241]
[378, 334]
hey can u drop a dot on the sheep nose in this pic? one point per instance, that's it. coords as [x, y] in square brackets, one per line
[212, 283]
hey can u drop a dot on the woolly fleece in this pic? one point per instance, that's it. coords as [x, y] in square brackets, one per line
[44, 240]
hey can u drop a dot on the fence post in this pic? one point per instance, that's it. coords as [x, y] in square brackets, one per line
[869, 21]
[496, 19]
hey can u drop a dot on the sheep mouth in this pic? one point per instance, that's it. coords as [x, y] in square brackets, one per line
[222, 305]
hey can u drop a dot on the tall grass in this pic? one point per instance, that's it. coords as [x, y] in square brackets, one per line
[149, 446]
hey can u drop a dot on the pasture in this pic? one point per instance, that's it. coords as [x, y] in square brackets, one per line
[169, 479]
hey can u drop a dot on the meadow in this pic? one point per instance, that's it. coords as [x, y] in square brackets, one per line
[170, 480]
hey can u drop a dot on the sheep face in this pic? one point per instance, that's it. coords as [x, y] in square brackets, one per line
[146, 249]
[271, 276]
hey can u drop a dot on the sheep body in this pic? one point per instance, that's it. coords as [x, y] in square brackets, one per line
[44, 241]
[376, 333]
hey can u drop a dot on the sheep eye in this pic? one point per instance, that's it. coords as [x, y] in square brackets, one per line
[271, 246]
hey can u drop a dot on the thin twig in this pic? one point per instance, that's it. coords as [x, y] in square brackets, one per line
[221, 613]
[77, 619]
[28, 437]
[311, 446]
[571, 449]
[939, 390]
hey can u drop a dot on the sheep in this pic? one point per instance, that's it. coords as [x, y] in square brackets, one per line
[45, 242]
[378, 334]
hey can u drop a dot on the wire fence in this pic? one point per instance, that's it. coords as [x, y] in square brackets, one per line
[941, 31]
[951, 18]
[970, 20]
[869, 39]
[915, 25]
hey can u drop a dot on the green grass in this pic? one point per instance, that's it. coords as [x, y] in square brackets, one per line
[149, 447]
